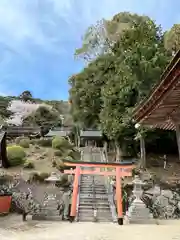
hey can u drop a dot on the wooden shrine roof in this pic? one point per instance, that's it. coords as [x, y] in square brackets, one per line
[162, 108]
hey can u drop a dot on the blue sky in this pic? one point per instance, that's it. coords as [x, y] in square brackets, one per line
[38, 39]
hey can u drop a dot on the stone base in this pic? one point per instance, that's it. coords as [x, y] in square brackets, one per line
[145, 221]
[138, 213]
[46, 218]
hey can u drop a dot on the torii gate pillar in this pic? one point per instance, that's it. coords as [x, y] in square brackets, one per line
[75, 193]
[119, 196]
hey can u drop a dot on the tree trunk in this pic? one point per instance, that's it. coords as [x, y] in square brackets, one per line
[79, 141]
[105, 146]
[143, 152]
[118, 152]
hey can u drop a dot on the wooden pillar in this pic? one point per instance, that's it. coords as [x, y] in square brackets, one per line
[75, 193]
[143, 151]
[178, 138]
[119, 196]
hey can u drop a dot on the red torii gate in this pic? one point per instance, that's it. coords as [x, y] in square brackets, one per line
[121, 170]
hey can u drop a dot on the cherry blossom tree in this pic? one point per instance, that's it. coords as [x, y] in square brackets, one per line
[21, 110]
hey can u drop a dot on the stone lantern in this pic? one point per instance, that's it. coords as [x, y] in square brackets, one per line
[137, 191]
[138, 212]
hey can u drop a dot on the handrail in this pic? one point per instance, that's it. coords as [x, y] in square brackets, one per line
[110, 192]
[94, 202]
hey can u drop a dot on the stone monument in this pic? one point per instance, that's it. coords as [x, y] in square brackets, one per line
[138, 212]
[50, 203]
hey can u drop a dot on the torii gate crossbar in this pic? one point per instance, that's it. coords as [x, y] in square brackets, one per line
[119, 171]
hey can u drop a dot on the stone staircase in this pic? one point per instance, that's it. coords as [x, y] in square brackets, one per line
[101, 198]
[93, 196]
[86, 199]
[48, 211]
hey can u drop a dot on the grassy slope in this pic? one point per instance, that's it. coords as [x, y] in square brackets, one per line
[41, 157]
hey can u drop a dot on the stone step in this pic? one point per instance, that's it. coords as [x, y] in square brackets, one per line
[94, 196]
[91, 189]
[86, 210]
[85, 185]
[99, 208]
[104, 219]
[85, 219]
[91, 219]
[91, 204]
[86, 181]
[94, 193]
[98, 204]
[100, 211]
[101, 204]
[96, 200]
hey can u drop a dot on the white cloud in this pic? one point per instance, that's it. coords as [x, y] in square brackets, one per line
[29, 28]
[41, 22]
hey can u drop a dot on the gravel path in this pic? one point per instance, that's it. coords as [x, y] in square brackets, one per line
[14, 229]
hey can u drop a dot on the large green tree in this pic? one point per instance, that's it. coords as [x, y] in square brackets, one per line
[107, 90]
[85, 93]
[172, 39]
[100, 37]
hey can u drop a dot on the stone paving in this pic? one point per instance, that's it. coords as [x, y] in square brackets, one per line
[12, 228]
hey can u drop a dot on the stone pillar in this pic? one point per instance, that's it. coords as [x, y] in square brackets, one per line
[138, 212]
[178, 138]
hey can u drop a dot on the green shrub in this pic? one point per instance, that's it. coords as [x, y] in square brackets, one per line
[29, 164]
[68, 158]
[61, 143]
[38, 177]
[58, 153]
[135, 171]
[44, 142]
[43, 176]
[63, 182]
[60, 165]
[76, 155]
[33, 141]
[57, 143]
[24, 143]
[5, 178]
[18, 139]
[33, 177]
[54, 163]
[16, 155]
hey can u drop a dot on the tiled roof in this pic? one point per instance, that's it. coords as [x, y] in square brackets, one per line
[59, 133]
[91, 133]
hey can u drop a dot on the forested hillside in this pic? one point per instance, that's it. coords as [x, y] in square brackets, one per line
[26, 110]
[125, 58]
